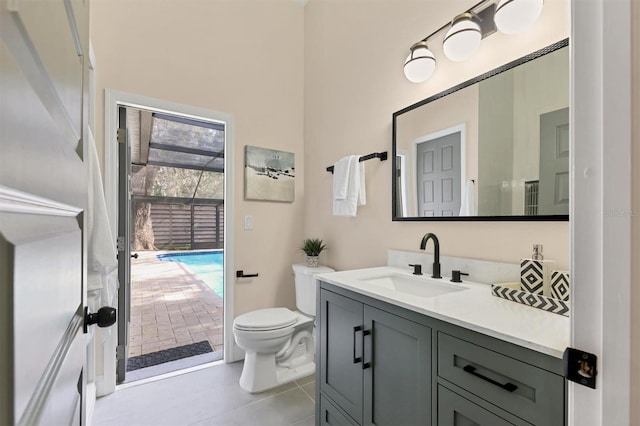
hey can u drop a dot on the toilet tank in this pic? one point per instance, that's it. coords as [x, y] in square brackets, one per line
[306, 287]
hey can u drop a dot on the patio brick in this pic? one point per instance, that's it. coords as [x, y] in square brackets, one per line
[170, 307]
[135, 350]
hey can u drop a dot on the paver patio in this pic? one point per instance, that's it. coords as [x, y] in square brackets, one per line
[171, 307]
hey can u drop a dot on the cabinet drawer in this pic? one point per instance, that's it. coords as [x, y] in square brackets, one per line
[331, 415]
[528, 392]
[455, 410]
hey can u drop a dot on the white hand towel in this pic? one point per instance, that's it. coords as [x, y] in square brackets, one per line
[349, 205]
[341, 178]
[469, 204]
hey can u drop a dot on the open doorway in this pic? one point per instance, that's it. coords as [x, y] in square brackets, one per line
[171, 222]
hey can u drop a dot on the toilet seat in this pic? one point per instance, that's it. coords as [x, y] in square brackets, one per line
[265, 320]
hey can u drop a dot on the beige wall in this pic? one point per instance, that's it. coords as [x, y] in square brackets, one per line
[353, 84]
[238, 57]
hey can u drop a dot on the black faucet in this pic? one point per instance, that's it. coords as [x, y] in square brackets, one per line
[436, 252]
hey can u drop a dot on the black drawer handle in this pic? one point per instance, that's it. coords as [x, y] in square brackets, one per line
[507, 386]
[355, 331]
[365, 365]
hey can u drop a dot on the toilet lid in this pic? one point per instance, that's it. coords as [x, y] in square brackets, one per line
[265, 319]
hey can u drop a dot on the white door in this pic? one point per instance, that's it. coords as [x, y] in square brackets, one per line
[600, 208]
[43, 193]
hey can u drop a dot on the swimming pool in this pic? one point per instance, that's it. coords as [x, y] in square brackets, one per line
[206, 265]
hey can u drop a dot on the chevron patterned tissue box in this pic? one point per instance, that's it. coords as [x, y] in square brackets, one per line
[512, 292]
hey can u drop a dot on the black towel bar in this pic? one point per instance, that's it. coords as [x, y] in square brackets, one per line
[381, 155]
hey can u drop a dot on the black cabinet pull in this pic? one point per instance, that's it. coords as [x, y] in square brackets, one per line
[355, 331]
[365, 333]
[507, 386]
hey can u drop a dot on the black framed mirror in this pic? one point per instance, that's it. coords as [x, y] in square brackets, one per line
[494, 148]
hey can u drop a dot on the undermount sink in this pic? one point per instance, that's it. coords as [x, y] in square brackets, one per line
[416, 286]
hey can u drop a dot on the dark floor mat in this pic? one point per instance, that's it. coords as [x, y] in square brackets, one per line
[168, 355]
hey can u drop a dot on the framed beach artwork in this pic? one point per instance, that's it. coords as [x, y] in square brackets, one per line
[269, 175]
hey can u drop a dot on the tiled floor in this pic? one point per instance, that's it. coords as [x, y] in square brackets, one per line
[208, 397]
[170, 307]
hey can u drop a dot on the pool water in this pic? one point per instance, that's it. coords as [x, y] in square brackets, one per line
[206, 265]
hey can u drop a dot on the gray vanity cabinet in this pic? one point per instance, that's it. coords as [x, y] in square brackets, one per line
[380, 364]
[374, 365]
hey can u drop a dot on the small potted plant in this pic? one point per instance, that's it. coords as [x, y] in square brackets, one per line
[312, 248]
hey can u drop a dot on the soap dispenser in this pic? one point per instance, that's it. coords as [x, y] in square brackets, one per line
[535, 273]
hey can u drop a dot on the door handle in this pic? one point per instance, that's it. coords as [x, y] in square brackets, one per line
[507, 386]
[135, 255]
[365, 365]
[105, 317]
[355, 331]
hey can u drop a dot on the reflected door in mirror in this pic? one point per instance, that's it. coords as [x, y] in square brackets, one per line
[554, 163]
[439, 176]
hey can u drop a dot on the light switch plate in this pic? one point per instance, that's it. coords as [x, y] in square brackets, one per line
[248, 222]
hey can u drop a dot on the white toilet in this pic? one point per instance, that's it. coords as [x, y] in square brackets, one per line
[279, 343]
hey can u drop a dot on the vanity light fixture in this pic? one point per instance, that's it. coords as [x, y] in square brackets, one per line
[463, 37]
[513, 16]
[466, 31]
[420, 63]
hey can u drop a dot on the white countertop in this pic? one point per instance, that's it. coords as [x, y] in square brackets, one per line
[475, 309]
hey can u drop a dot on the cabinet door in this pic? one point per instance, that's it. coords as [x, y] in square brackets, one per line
[455, 410]
[331, 415]
[397, 382]
[341, 352]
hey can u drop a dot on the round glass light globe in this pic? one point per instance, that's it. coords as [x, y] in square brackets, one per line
[462, 39]
[419, 65]
[513, 16]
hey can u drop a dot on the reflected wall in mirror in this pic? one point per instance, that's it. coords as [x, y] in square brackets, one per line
[493, 148]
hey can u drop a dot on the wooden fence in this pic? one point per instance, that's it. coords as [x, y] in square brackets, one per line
[187, 226]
